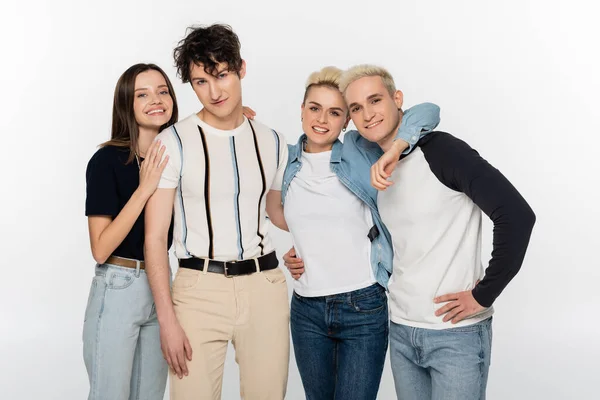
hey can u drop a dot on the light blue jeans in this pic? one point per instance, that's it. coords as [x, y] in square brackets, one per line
[121, 339]
[448, 364]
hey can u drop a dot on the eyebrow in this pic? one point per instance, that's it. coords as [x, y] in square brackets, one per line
[368, 98]
[193, 78]
[145, 88]
[331, 108]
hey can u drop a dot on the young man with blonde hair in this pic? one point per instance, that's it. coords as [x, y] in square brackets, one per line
[440, 296]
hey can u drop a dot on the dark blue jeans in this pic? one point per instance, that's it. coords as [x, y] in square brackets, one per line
[340, 342]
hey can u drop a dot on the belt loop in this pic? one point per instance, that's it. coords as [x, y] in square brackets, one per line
[137, 268]
[205, 267]
[257, 265]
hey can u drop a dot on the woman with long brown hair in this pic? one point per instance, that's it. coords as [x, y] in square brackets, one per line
[121, 340]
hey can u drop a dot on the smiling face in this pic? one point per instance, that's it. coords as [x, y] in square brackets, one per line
[375, 112]
[324, 114]
[152, 102]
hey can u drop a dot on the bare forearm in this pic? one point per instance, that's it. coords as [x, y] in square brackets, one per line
[113, 235]
[157, 269]
[279, 221]
[275, 210]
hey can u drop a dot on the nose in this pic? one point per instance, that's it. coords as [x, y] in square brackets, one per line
[368, 114]
[155, 98]
[322, 118]
[215, 92]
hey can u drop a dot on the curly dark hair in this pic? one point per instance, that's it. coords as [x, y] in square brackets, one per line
[208, 45]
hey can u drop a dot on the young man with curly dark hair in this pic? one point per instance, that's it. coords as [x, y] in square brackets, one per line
[223, 177]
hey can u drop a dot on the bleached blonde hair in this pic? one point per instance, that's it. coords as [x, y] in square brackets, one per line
[364, 70]
[327, 76]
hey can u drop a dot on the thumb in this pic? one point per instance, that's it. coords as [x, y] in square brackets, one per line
[389, 168]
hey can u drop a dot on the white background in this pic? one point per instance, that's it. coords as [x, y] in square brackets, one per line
[516, 79]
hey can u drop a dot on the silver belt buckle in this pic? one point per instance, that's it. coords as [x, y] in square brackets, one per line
[225, 269]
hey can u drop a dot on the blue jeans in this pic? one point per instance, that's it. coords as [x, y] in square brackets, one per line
[448, 364]
[340, 342]
[121, 338]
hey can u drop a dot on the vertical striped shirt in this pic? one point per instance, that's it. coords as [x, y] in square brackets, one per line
[221, 180]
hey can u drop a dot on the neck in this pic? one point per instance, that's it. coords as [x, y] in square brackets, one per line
[227, 123]
[312, 147]
[145, 139]
[387, 142]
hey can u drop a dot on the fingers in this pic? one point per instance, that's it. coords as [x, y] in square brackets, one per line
[294, 263]
[175, 363]
[169, 362]
[448, 307]
[446, 297]
[163, 164]
[188, 349]
[379, 178]
[453, 313]
[182, 363]
[459, 317]
[296, 272]
[152, 151]
[291, 258]
[389, 168]
[248, 112]
[159, 156]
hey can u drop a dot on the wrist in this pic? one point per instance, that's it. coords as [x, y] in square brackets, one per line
[166, 317]
[143, 193]
[400, 145]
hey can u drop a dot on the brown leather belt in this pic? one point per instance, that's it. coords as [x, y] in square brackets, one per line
[124, 262]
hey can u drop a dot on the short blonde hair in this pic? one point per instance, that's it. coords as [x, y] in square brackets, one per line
[364, 70]
[327, 76]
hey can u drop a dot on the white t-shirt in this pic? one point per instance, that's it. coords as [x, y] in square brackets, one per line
[436, 233]
[328, 224]
[222, 179]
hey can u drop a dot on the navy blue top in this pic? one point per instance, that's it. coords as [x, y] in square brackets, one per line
[110, 184]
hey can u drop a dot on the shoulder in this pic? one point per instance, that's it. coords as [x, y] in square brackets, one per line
[263, 130]
[109, 156]
[106, 163]
[353, 140]
[182, 128]
[439, 139]
[443, 146]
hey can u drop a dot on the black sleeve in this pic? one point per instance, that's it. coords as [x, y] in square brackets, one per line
[101, 185]
[461, 168]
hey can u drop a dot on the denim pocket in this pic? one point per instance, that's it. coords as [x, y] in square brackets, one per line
[119, 281]
[370, 303]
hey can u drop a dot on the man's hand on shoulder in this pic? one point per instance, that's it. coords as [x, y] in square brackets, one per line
[382, 170]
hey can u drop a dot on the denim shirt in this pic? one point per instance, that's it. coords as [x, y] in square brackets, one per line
[351, 161]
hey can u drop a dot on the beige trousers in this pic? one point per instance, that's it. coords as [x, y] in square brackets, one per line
[252, 312]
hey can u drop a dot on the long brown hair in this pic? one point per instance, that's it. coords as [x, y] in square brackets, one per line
[125, 129]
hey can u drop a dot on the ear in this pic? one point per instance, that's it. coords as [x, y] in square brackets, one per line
[242, 72]
[398, 99]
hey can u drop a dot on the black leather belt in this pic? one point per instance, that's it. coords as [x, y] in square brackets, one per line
[232, 268]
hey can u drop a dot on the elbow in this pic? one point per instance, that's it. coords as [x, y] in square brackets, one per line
[529, 218]
[155, 242]
[99, 256]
